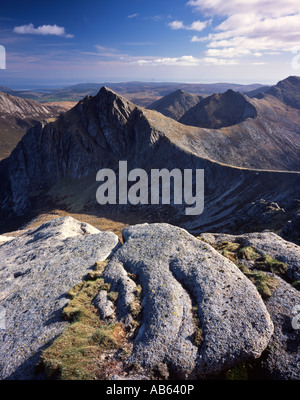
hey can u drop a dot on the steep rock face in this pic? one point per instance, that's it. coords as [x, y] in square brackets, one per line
[176, 104]
[220, 110]
[38, 269]
[176, 272]
[92, 135]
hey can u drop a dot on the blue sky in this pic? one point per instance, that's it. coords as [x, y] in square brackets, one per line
[65, 42]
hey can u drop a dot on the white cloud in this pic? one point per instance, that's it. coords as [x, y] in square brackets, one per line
[253, 27]
[219, 61]
[229, 52]
[195, 26]
[262, 7]
[42, 30]
[133, 15]
[176, 25]
[185, 61]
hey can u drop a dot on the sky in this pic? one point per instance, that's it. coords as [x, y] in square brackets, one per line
[54, 43]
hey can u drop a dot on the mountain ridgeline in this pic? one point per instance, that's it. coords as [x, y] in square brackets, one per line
[288, 91]
[253, 159]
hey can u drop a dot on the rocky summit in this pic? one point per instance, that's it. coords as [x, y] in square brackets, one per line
[179, 307]
[57, 162]
[220, 110]
[175, 104]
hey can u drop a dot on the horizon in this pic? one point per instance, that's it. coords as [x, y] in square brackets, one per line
[244, 42]
[103, 83]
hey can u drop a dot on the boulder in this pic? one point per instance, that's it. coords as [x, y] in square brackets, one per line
[281, 361]
[199, 315]
[37, 270]
[266, 243]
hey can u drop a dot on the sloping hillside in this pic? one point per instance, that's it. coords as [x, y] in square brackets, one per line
[18, 115]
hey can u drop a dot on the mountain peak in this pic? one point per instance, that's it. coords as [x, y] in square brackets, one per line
[293, 79]
[220, 110]
[287, 91]
[174, 105]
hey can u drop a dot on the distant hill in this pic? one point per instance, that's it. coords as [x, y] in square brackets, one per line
[55, 164]
[175, 104]
[220, 110]
[257, 92]
[141, 93]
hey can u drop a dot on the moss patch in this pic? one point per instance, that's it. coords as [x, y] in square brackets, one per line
[265, 284]
[77, 352]
[267, 263]
[237, 253]
[229, 250]
[248, 253]
[135, 306]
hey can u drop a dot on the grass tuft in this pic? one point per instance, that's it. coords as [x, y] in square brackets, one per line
[267, 263]
[265, 284]
[76, 353]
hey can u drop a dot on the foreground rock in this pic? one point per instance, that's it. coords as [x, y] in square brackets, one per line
[199, 314]
[282, 358]
[37, 270]
[266, 243]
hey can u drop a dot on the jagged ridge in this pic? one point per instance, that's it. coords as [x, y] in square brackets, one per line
[104, 129]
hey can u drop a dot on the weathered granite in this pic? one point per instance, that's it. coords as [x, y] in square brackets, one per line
[266, 243]
[176, 272]
[37, 270]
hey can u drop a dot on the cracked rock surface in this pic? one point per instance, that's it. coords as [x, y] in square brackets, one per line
[37, 269]
[176, 272]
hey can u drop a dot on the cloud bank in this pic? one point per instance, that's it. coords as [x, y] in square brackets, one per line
[253, 27]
